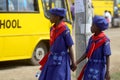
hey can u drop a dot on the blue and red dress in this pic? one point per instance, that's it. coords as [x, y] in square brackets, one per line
[96, 66]
[57, 66]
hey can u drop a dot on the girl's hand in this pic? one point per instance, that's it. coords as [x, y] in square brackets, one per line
[77, 62]
[73, 66]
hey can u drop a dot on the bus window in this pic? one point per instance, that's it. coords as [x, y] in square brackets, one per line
[11, 5]
[68, 19]
[22, 5]
[3, 5]
[46, 7]
[30, 5]
[47, 4]
[19, 5]
[118, 1]
[58, 3]
[26, 5]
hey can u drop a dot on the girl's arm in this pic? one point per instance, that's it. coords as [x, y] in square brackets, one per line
[107, 63]
[73, 66]
[81, 58]
[107, 76]
[85, 54]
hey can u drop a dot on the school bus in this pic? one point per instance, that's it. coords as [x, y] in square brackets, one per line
[25, 28]
[101, 5]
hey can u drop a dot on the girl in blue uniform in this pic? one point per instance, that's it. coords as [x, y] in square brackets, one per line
[57, 66]
[97, 52]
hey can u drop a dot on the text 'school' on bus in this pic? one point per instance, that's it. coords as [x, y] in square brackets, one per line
[25, 27]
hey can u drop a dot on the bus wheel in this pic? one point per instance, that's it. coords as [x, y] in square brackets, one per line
[38, 54]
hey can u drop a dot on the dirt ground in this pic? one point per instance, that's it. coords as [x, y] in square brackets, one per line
[114, 35]
[19, 70]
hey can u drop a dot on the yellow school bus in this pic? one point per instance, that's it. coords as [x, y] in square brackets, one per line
[25, 27]
[101, 5]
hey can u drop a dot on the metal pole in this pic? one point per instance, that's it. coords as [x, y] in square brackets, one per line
[83, 19]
